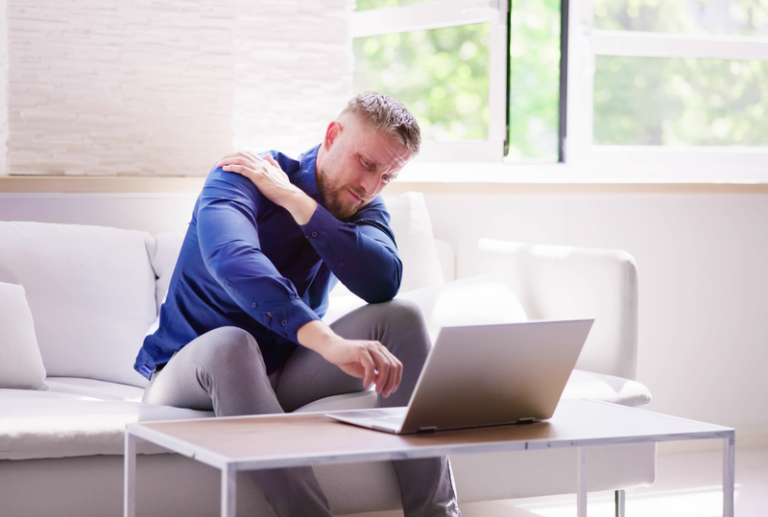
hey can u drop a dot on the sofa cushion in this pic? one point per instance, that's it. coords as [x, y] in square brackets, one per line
[20, 363]
[91, 291]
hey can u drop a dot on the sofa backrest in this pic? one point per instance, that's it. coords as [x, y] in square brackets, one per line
[562, 282]
[91, 290]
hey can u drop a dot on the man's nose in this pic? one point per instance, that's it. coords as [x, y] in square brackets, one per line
[368, 183]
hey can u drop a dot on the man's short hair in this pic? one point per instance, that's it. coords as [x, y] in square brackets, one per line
[388, 115]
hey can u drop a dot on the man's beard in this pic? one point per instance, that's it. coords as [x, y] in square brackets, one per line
[331, 200]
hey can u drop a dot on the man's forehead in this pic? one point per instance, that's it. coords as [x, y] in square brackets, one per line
[382, 148]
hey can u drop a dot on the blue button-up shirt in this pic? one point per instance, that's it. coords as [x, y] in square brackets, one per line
[246, 263]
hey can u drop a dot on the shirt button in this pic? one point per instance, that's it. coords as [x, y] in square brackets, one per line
[314, 234]
[284, 322]
[341, 264]
[254, 305]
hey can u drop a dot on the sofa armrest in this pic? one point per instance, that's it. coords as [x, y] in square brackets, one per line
[560, 282]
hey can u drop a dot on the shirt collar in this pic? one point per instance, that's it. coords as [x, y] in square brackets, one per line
[307, 180]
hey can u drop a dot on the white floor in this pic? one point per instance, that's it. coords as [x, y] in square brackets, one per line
[687, 484]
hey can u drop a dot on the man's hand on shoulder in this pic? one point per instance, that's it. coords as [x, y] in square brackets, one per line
[368, 360]
[269, 178]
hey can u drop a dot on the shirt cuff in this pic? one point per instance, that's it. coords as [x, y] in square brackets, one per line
[286, 318]
[321, 227]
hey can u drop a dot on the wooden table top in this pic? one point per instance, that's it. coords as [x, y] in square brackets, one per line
[320, 439]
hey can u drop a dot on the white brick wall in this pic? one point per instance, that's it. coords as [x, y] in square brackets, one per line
[294, 71]
[164, 87]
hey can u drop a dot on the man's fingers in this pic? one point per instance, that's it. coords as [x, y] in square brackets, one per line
[368, 364]
[395, 375]
[384, 368]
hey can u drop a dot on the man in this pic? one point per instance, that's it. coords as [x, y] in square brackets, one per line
[240, 332]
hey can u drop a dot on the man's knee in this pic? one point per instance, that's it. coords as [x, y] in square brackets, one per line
[404, 312]
[232, 347]
[404, 321]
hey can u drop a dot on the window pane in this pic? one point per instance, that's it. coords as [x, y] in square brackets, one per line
[441, 75]
[534, 80]
[364, 5]
[662, 101]
[724, 17]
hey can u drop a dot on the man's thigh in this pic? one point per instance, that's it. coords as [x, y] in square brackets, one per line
[222, 370]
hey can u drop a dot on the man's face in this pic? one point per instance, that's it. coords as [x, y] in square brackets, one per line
[355, 165]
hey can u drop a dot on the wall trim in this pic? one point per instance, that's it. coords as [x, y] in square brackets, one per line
[165, 184]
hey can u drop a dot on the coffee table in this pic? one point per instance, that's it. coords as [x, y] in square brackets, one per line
[302, 439]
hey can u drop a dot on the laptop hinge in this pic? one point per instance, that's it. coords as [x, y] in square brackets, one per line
[427, 429]
[527, 420]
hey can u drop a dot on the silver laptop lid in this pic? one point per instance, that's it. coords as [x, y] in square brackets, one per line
[495, 374]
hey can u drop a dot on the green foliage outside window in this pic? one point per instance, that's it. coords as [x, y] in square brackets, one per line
[661, 101]
[534, 79]
[441, 75]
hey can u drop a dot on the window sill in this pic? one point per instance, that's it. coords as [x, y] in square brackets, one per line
[445, 178]
[503, 178]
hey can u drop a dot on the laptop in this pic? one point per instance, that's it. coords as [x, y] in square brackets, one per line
[485, 375]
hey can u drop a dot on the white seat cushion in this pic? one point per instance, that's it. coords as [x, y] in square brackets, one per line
[54, 424]
[93, 389]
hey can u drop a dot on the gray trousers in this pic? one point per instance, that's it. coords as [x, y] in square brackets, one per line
[223, 371]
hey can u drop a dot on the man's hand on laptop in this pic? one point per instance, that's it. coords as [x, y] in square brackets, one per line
[271, 181]
[369, 360]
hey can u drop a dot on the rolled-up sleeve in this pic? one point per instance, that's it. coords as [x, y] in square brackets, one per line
[229, 242]
[362, 254]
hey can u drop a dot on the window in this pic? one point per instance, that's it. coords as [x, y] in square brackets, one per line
[447, 61]
[476, 96]
[655, 84]
[670, 83]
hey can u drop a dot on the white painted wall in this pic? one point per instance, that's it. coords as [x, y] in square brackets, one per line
[703, 337]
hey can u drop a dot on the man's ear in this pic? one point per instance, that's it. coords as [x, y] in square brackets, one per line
[332, 133]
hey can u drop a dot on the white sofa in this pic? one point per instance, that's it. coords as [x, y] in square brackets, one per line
[94, 291]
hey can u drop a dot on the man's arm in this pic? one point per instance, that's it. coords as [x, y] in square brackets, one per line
[363, 256]
[231, 251]
[229, 243]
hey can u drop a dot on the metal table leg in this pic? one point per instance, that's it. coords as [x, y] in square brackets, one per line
[620, 500]
[729, 469]
[581, 482]
[129, 476]
[228, 491]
